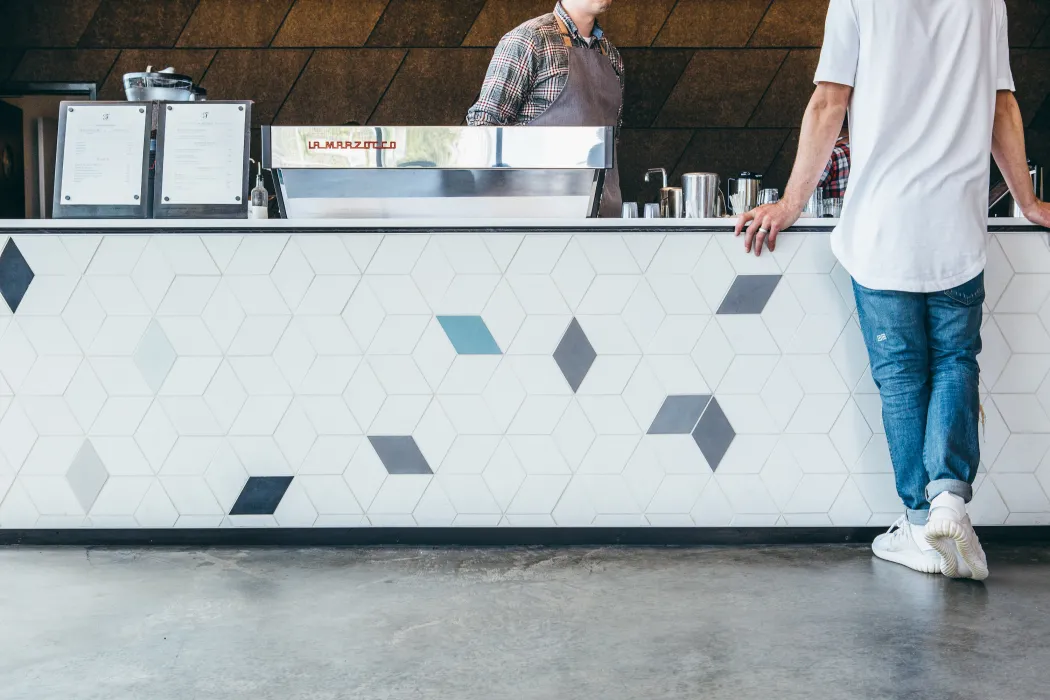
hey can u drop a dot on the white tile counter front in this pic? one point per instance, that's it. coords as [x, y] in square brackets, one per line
[522, 374]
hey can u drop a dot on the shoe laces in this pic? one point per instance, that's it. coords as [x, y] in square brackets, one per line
[900, 529]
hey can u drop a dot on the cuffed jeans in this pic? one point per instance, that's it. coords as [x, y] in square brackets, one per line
[923, 350]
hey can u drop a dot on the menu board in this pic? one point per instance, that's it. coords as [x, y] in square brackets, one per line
[204, 154]
[102, 154]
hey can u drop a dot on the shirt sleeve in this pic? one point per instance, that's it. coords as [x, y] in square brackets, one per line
[507, 83]
[841, 52]
[1005, 76]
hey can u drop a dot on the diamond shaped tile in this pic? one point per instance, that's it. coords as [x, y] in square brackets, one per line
[154, 356]
[469, 335]
[749, 294]
[87, 475]
[679, 415]
[400, 454]
[15, 275]
[575, 355]
[261, 495]
[714, 434]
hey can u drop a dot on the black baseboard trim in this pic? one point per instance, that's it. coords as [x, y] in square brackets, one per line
[484, 537]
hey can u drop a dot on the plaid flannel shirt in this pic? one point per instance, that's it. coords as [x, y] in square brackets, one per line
[836, 176]
[530, 69]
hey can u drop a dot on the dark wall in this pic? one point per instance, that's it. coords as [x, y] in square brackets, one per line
[712, 84]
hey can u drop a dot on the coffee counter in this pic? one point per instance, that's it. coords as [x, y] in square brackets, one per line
[160, 375]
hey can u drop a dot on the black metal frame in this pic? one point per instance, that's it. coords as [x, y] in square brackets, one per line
[102, 211]
[24, 89]
[161, 210]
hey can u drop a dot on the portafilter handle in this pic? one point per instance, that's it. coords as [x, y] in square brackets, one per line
[657, 171]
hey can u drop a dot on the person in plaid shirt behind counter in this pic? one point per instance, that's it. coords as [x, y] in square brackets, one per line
[557, 70]
[836, 175]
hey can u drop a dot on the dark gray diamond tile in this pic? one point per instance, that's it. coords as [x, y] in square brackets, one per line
[714, 434]
[679, 415]
[575, 355]
[15, 275]
[87, 475]
[261, 495]
[400, 455]
[749, 294]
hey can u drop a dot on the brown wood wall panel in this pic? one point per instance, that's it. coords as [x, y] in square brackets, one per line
[711, 84]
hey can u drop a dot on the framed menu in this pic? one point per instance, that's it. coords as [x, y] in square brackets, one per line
[102, 168]
[202, 160]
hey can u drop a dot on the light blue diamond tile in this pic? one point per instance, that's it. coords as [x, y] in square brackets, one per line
[154, 356]
[469, 335]
[87, 475]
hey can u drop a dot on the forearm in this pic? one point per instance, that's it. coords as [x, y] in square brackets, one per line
[820, 129]
[1008, 149]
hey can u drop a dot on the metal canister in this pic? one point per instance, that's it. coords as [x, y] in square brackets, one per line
[672, 203]
[748, 185]
[701, 195]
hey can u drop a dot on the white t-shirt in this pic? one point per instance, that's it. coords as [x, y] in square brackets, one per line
[925, 75]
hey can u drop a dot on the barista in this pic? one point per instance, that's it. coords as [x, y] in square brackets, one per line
[557, 70]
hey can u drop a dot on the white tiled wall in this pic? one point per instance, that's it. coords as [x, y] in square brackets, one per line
[144, 379]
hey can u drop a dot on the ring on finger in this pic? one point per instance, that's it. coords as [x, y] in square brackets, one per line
[763, 231]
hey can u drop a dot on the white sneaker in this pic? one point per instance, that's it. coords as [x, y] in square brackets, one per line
[905, 544]
[950, 533]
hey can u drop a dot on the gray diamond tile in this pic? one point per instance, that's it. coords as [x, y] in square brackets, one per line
[679, 415]
[261, 495]
[15, 275]
[154, 356]
[714, 434]
[575, 355]
[400, 455]
[87, 475]
[749, 294]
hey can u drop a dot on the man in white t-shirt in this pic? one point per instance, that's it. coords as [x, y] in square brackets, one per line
[929, 91]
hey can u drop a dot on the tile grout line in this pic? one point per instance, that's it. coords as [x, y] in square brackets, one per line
[404, 59]
[747, 44]
[376, 25]
[185, 24]
[287, 14]
[780, 68]
[291, 88]
[664, 25]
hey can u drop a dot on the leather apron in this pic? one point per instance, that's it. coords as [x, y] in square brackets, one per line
[591, 97]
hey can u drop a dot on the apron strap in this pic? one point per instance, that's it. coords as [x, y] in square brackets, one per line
[566, 37]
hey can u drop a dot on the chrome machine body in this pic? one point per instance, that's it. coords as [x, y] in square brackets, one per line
[357, 172]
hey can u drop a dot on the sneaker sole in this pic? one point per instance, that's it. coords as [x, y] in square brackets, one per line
[926, 566]
[945, 536]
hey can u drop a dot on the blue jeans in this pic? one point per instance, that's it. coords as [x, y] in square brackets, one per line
[923, 350]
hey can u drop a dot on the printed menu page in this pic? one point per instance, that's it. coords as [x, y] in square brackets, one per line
[203, 154]
[102, 155]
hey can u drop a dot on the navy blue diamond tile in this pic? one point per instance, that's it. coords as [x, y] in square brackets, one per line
[679, 415]
[15, 275]
[575, 355]
[400, 454]
[714, 434]
[749, 294]
[261, 495]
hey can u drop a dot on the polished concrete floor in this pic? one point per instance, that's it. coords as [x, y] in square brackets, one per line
[516, 623]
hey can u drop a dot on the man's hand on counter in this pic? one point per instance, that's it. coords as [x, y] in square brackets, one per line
[765, 223]
[1038, 213]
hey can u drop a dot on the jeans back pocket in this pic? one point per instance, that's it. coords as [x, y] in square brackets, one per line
[968, 293]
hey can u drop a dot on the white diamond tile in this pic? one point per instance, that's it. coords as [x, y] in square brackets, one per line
[1027, 519]
[643, 473]
[189, 336]
[504, 394]
[1022, 413]
[679, 254]
[189, 415]
[609, 294]
[782, 394]
[743, 262]
[575, 507]
[326, 254]
[608, 253]
[502, 247]
[539, 375]
[257, 255]
[880, 493]
[45, 254]
[469, 454]
[121, 495]
[400, 415]
[816, 374]
[295, 508]
[817, 413]
[644, 394]
[292, 275]
[50, 415]
[609, 335]
[1025, 294]
[677, 494]
[1023, 374]
[362, 247]
[83, 315]
[677, 294]
[50, 376]
[609, 495]
[538, 454]
[477, 520]
[844, 283]
[714, 275]
[156, 509]
[469, 374]
[1023, 332]
[608, 454]
[81, 248]
[188, 296]
[260, 376]
[17, 509]
[608, 415]
[364, 395]
[1021, 453]
[396, 255]
[259, 416]
[399, 374]
[190, 456]
[573, 274]
[119, 416]
[712, 509]
[256, 295]
[813, 256]
[875, 459]
[51, 456]
[190, 495]
[1021, 492]
[815, 454]
[747, 456]
[225, 396]
[468, 494]
[817, 334]
[155, 436]
[781, 474]
[610, 373]
[432, 272]
[120, 377]
[987, 506]
[849, 508]
[467, 295]
[993, 433]
[818, 295]
[199, 522]
[434, 435]
[48, 335]
[294, 355]
[677, 335]
[748, 414]
[504, 475]
[399, 335]
[539, 335]
[154, 356]
[574, 435]
[329, 455]
[643, 247]
[538, 415]
[221, 248]
[747, 374]
[713, 354]
[329, 494]
[538, 295]
[327, 295]
[295, 435]
[470, 415]
[538, 494]
[397, 294]
[122, 456]
[152, 276]
[747, 494]
[399, 494]
[117, 255]
[47, 295]
[329, 375]
[363, 315]
[433, 354]
[850, 354]
[503, 315]
[678, 374]
[85, 395]
[643, 314]
[17, 355]
[260, 456]
[851, 433]
[538, 254]
[119, 335]
[747, 335]
[187, 255]
[678, 454]
[871, 406]
[52, 495]
[119, 297]
[997, 272]
[1027, 252]
[669, 519]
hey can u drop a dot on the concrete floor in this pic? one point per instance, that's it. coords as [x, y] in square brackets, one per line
[516, 623]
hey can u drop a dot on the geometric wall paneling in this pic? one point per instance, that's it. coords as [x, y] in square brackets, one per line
[134, 23]
[227, 23]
